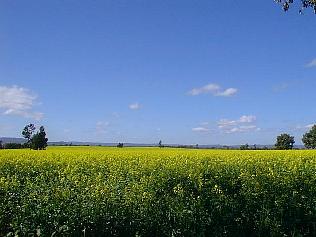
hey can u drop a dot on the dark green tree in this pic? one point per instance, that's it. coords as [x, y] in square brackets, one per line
[286, 4]
[13, 145]
[27, 133]
[309, 138]
[284, 142]
[244, 147]
[39, 140]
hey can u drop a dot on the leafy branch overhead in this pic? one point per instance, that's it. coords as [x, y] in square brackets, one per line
[286, 4]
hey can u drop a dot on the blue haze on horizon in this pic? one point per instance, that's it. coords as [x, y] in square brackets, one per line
[206, 72]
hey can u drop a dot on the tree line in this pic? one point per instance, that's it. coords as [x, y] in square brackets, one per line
[34, 140]
[37, 140]
[286, 142]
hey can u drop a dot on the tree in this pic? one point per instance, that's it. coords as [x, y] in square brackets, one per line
[13, 145]
[1, 145]
[244, 147]
[284, 142]
[160, 144]
[39, 140]
[27, 133]
[309, 138]
[286, 4]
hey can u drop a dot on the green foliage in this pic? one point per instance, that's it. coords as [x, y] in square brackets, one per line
[96, 191]
[244, 147]
[309, 138]
[284, 142]
[13, 146]
[39, 140]
[27, 133]
[286, 4]
[120, 145]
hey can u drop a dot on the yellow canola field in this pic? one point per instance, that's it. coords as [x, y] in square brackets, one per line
[98, 191]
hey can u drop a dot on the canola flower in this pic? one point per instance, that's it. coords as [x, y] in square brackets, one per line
[97, 191]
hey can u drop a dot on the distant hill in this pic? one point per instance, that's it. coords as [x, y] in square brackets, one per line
[12, 140]
[75, 143]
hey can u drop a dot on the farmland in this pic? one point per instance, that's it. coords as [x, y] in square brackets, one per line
[95, 191]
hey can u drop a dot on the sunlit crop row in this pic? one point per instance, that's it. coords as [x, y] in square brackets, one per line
[95, 191]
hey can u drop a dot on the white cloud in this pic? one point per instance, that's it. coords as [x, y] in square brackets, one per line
[244, 124]
[311, 63]
[243, 119]
[200, 129]
[18, 101]
[210, 88]
[247, 119]
[214, 90]
[134, 106]
[227, 92]
[242, 129]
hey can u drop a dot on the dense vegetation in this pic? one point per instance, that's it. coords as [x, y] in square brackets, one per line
[309, 138]
[157, 192]
[35, 141]
[284, 142]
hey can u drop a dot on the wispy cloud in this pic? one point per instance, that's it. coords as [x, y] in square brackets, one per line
[134, 106]
[242, 119]
[214, 90]
[309, 126]
[200, 129]
[304, 127]
[18, 101]
[311, 63]
[203, 127]
[281, 87]
[244, 124]
[247, 119]
[227, 92]
[248, 128]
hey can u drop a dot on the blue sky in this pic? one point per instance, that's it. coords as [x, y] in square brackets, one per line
[207, 72]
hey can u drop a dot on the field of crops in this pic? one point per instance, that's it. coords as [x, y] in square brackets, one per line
[95, 191]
